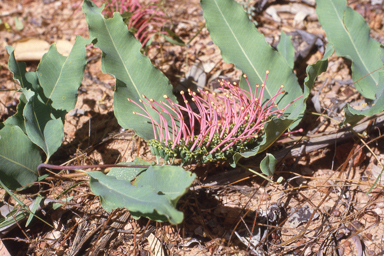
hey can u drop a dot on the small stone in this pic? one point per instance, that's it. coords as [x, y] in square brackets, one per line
[60, 252]
[308, 251]
[300, 215]
[76, 111]
[347, 250]
[227, 66]
[336, 213]
[210, 51]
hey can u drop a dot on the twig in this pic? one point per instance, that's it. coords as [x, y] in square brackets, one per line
[311, 144]
[321, 141]
[77, 167]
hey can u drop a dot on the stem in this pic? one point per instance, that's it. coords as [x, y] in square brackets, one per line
[76, 167]
[257, 173]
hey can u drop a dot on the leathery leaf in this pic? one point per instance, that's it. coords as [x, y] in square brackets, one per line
[154, 194]
[135, 75]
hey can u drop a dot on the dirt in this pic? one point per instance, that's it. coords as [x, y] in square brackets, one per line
[330, 183]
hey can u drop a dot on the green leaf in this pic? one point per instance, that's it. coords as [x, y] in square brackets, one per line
[19, 158]
[123, 112]
[55, 206]
[17, 119]
[173, 39]
[17, 214]
[241, 44]
[273, 130]
[42, 128]
[286, 49]
[172, 181]
[267, 165]
[143, 200]
[134, 73]
[126, 173]
[18, 24]
[34, 81]
[313, 71]
[126, 17]
[348, 32]
[35, 205]
[237, 156]
[60, 77]
[12, 214]
[352, 116]
[17, 68]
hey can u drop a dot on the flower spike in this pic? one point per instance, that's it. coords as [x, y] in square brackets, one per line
[211, 126]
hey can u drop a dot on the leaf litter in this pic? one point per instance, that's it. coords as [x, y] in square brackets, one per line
[321, 182]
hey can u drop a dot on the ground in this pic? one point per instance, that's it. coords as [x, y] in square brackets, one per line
[324, 207]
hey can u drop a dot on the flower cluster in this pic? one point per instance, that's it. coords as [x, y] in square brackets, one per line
[141, 18]
[211, 126]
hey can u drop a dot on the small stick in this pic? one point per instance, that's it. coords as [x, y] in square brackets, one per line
[76, 167]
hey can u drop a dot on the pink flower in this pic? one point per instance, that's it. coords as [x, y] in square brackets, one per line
[227, 121]
[142, 19]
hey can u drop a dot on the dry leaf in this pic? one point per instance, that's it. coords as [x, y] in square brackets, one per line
[271, 11]
[3, 250]
[30, 49]
[155, 244]
[301, 10]
[376, 171]
[64, 47]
